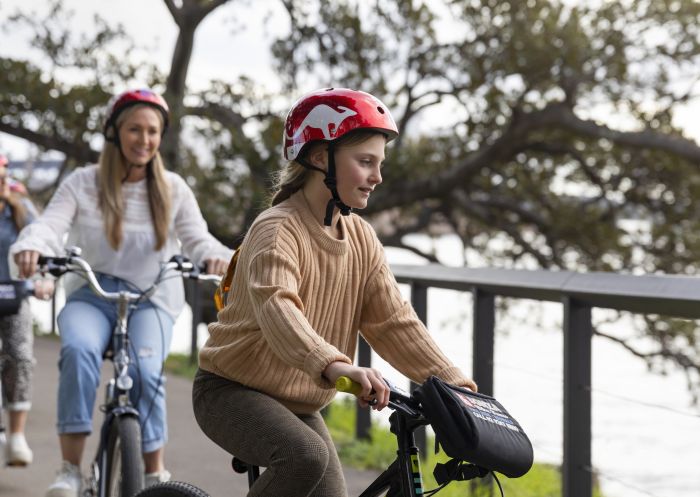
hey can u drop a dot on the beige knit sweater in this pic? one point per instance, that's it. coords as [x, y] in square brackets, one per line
[298, 300]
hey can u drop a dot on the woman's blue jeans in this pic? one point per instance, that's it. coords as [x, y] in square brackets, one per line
[86, 324]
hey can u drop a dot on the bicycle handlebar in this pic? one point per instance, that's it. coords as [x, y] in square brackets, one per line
[58, 266]
[398, 399]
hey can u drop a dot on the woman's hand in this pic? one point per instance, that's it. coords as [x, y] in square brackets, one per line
[216, 265]
[43, 289]
[27, 261]
[371, 380]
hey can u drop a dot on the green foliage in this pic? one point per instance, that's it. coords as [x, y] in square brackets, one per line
[180, 365]
[543, 133]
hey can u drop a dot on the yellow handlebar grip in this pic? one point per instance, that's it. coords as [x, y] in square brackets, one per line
[345, 384]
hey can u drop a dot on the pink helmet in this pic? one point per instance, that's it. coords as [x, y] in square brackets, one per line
[15, 185]
[129, 98]
[330, 113]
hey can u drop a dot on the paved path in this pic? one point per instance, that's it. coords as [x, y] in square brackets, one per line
[190, 456]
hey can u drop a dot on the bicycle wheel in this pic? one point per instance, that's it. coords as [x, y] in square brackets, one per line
[124, 475]
[173, 489]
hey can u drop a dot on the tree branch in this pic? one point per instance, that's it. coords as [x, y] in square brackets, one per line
[81, 152]
[563, 116]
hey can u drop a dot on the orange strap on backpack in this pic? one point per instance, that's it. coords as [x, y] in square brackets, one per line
[225, 285]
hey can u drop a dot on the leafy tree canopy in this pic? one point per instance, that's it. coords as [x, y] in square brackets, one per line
[556, 143]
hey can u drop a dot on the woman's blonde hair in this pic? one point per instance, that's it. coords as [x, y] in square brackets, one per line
[113, 170]
[293, 176]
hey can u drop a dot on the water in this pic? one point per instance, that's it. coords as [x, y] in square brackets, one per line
[646, 435]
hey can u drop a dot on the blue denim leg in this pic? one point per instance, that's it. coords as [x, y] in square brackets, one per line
[86, 325]
[150, 333]
[85, 334]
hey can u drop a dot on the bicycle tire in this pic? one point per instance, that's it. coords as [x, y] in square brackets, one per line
[125, 473]
[173, 489]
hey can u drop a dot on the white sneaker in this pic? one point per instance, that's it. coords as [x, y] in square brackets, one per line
[155, 478]
[17, 451]
[68, 482]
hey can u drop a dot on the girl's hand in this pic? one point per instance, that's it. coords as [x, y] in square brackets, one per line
[371, 380]
[26, 261]
[216, 265]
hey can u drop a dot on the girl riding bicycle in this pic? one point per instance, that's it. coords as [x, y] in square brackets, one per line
[310, 277]
[128, 214]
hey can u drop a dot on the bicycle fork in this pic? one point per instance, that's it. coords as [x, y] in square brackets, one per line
[403, 477]
[116, 402]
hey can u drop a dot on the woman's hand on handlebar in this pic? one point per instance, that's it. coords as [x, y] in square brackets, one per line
[216, 265]
[27, 261]
[373, 386]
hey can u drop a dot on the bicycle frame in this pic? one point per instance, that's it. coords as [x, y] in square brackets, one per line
[405, 471]
[116, 402]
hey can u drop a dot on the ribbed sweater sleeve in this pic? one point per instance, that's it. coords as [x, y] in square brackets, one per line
[392, 328]
[273, 286]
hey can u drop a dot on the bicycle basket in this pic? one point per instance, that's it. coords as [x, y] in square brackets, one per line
[476, 428]
[11, 294]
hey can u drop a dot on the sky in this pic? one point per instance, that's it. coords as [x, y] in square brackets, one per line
[225, 47]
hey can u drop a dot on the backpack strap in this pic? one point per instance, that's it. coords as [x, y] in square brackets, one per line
[225, 284]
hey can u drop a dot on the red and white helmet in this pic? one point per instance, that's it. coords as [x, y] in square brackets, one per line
[330, 113]
[126, 100]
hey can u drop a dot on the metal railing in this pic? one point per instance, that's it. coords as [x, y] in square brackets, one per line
[578, 293]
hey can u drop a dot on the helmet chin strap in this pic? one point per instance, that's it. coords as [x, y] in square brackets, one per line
[332, 184]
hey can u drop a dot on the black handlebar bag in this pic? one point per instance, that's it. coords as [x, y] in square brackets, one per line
[11, 294]
[476, 428]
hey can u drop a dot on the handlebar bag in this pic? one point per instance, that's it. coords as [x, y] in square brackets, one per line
[11, 294]
[475, 427]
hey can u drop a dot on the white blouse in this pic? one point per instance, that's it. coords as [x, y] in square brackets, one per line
[74, 209]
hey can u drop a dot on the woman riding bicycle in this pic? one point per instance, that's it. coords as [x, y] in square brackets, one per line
[310, 276]
[128, 214]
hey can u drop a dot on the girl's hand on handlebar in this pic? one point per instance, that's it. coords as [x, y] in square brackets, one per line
[26, 261]
[375, 392]
[216, 266]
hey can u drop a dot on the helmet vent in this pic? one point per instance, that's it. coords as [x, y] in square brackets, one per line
[381, 111]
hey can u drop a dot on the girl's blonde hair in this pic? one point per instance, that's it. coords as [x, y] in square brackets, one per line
[113, 171]
[294, 175]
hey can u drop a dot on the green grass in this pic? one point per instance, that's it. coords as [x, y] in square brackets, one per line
[543, 480]
[179, 365]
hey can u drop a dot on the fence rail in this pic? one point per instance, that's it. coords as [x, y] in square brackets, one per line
[677, 296]
[578, 293]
